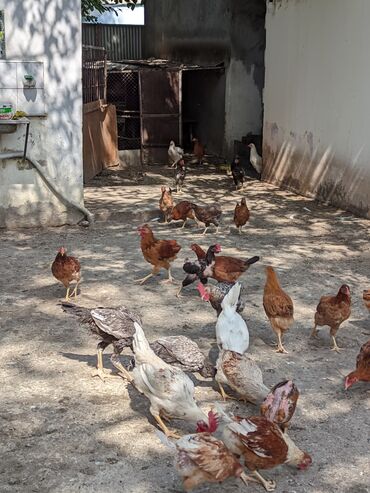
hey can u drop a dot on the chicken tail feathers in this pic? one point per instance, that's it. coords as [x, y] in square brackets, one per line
[165, 441]
[140, 342]
[232, 297]
[252, 260]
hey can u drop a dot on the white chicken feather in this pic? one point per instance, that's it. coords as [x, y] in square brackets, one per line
[255, 159]
[175, 153]
[169, 389]
[231, 330]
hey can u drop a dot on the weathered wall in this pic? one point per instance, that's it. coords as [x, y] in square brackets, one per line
[212, 31]
[100, 141]
[316, 100]
[47, 31]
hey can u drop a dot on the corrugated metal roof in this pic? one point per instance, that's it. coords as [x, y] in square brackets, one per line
[121, 42]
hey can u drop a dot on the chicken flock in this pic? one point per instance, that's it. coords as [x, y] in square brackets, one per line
[222, 445]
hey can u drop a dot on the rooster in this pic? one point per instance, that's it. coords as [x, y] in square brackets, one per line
[280, 403]
[278, 307]
[169, 389]
[182, 212]
[216, 293]
[241, 214]
[227, 269]
[333, 311]
[113, 326]
[237, 172]
[198, 150]
[159, 253]
[166, 203]
[255, 159]
[362, 372]
[202, 458]
[199, 269]
[208, 215]
[180, 175]
[67, 270]
[262, 445]
[174, 153]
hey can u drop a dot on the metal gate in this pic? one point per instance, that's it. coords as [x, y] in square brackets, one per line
[123, 92]
[160, 116]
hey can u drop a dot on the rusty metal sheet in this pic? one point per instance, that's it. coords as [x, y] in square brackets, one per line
[160, 113]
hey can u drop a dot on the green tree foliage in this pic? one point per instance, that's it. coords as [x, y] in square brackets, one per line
[88, 6]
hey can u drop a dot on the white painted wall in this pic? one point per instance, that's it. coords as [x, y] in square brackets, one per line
[317, 99]
[242, 103]
[47, 31]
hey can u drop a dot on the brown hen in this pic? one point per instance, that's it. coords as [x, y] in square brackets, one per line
[182, 211]
[280, 403]
[159, 253]
[333, 311]
[67, 270]
[198, 150]
[278, 307]
[224, 269]
[241, 214]
[166, 203]
[362, 372]
[263, 446]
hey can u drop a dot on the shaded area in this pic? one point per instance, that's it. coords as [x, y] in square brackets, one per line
[62, 430]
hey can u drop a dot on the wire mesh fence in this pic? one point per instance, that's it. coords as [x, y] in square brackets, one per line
[123, 92]
[94, 73]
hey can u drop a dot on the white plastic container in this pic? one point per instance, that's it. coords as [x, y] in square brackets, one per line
[6, 111]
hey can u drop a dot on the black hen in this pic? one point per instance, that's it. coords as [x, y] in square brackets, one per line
[180, 175]
[112, 326]
[194, 271]
[238, 172]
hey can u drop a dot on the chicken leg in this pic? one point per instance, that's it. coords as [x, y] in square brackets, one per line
[268, 484]
[74, 292]
[224, 394]
[67, 293]
[335, 347]
[144, 279]
[164, 428]
[183, 224]
[170, 279]
[245, 478]
[314, 332]
[100, 372]
[280, 347]
[123, 372]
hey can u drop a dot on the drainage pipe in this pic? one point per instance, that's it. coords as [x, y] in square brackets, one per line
[51, 183]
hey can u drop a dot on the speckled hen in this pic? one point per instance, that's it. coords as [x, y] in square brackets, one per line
[113, 326]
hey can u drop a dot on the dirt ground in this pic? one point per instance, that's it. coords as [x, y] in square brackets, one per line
[64, 431]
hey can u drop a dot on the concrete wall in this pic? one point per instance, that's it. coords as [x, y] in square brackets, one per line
[212, 31]
[317, 100]
[48, 31]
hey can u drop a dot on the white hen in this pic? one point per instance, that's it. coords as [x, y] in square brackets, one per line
[175, 153]
[255, 159]
[231, 330]
[169, 389]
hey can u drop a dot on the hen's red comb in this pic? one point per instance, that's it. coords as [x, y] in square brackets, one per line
[213, 421]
